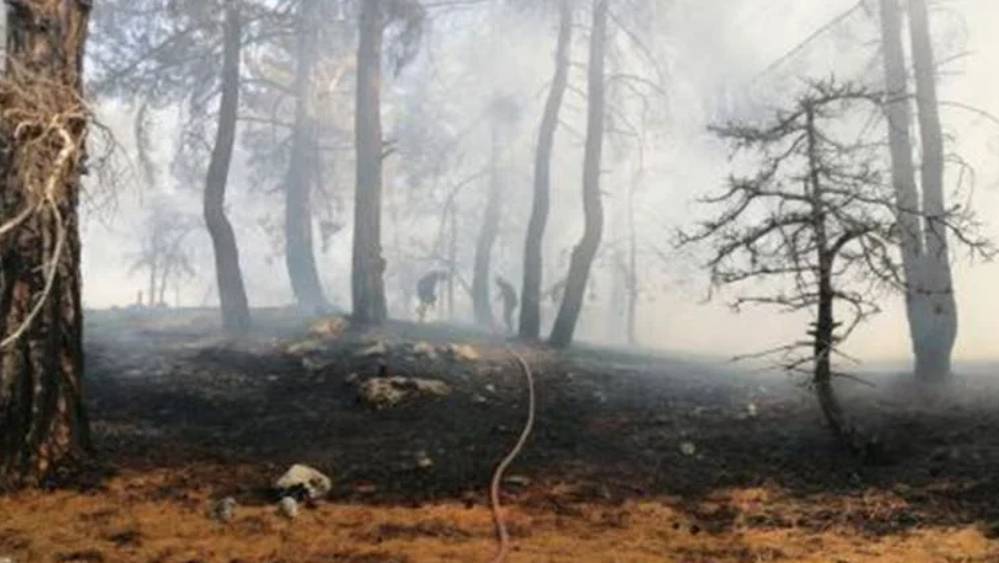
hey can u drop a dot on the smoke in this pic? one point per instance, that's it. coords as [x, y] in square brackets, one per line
[713, 60]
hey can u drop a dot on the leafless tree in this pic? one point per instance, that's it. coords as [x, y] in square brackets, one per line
[817, 227]
[162, 252]
[530, 311]
[584, 253]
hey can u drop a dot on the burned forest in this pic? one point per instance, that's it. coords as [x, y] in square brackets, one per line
[499, 280]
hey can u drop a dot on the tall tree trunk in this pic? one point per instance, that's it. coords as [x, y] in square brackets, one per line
[367, 283]
[899, 112]
[530, 308]
[43, 423]
[939, 330]
[586, 250]
[481, 301]
[232, 294]
[301, 178]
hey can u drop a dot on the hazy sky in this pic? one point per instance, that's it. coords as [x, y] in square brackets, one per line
[759, 34]
[718, 49]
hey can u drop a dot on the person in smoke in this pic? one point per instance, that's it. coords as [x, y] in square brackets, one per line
[509, 296]
[426, 292]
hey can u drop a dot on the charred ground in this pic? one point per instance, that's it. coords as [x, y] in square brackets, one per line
[180, 418]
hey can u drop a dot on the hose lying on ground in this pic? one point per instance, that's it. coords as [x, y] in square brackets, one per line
[502, 534]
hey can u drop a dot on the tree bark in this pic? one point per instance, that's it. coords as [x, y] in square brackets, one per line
[367, 283]
[899, 113]
[825, 323]
[232, 294]
[586, 250]
[938, 332]
[481, 301]
[301, 178]
[43, 423]
[530, 308]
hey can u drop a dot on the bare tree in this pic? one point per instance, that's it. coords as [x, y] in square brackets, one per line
[584, 253]
[930, 302]
[530, 311]
[162, 252]
[232, 293]
[503, 113]
[303, 167]
[43, 126]
[816, 228]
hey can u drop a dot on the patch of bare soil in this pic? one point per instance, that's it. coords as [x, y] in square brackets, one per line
[635, 457]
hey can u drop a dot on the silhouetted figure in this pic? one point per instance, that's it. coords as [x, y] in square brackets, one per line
[426, 291]
[509, 296]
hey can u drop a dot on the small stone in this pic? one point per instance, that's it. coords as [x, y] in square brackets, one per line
[376, 350]
[688, 448]
[351, 378]
[223, 511]
[305, 482]
[751, 410]
[332, 327]
[491, 388]
[426, 350]
[479, 399]
[423, 460]
[518, 481]
[309, 346]
[387, 392]
[313, 365]
[288, 507]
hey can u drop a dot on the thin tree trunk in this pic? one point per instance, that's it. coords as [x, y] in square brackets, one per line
[825, 323]
[368, 286]
[299, 252]
[933, 355]
[899, 113]
[153, 274]
[632, 313]
[452, 263]
[481, 301]
[586, 250]
[530, 309]
[43, 424]
[232, 294]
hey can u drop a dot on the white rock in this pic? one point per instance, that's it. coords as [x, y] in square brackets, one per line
[288, 507]
[688, 448]
[314, 483]
[423, 460]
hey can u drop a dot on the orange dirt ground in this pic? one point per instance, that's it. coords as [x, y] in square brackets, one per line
[146, 518]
